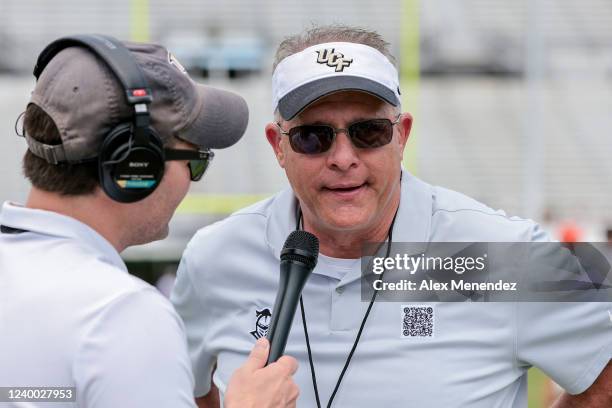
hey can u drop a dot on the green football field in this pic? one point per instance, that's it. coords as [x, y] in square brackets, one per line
[537, 388]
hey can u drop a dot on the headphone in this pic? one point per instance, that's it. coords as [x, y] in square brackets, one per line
[131, 160]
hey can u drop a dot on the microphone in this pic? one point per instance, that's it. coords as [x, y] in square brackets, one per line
[298, 259]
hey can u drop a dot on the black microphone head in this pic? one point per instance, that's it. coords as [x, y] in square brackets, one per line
[301, 246]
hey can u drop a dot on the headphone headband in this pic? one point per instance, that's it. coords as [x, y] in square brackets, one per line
[118, 58]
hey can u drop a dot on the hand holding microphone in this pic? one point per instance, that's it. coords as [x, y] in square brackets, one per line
[254, 385]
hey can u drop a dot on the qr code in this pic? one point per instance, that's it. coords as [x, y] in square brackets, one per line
[417, 321]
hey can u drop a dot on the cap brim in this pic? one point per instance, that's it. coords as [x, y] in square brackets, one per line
[222, 119]
[298, 99]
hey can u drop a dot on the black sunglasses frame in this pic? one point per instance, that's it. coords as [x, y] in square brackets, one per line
[334, 131]
[199, 160]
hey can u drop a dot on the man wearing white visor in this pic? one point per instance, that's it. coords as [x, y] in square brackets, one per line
[339, 134]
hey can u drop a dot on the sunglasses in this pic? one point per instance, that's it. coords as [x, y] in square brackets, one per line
[315, 139]
[199, 160]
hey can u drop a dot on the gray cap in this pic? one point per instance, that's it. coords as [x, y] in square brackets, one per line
[86, 101]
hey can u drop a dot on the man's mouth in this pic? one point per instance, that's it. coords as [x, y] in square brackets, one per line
[345, 190]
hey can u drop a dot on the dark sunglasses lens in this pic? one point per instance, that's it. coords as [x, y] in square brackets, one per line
[197, 168]
[371, 133]
[311, 139]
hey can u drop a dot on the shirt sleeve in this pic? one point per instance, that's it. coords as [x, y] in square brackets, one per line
[188, 300]
[134, 355]
[571, 341]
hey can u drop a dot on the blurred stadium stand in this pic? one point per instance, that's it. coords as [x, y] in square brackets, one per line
[32, 23]
[473, 122]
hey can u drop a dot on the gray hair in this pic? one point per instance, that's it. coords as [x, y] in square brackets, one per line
[331, 33]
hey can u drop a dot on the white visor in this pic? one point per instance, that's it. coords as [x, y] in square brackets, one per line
[322, 69]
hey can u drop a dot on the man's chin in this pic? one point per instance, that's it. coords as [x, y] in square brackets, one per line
[347, 221]
[163, 234]
[152, 236]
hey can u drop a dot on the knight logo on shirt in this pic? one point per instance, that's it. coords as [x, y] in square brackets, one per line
[333, 59]
[262, 324]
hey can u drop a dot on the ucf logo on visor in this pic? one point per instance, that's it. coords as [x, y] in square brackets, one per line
[333, 59]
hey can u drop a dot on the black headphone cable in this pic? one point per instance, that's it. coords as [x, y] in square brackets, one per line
[361, 327]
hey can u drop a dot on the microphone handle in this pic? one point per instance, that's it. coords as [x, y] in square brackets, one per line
[292, 280]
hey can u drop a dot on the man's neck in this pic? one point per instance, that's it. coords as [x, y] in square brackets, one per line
[348, 243]
[88, 209]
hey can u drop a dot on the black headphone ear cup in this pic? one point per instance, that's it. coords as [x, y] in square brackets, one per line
[130, 172]
[117, 139]
[157, 145]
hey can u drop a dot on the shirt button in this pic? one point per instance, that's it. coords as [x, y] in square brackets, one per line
[340, 289]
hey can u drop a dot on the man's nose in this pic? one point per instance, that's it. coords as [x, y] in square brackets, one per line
[342, 155]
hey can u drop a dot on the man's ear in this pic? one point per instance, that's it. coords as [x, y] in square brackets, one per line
[404, 127]
[275, 139]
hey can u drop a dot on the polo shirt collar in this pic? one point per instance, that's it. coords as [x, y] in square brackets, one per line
[412, 224]
[413, 221]
[57, 225]
[281, 220]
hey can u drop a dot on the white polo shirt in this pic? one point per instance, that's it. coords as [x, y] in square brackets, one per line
[480, 352]
[71, 316]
